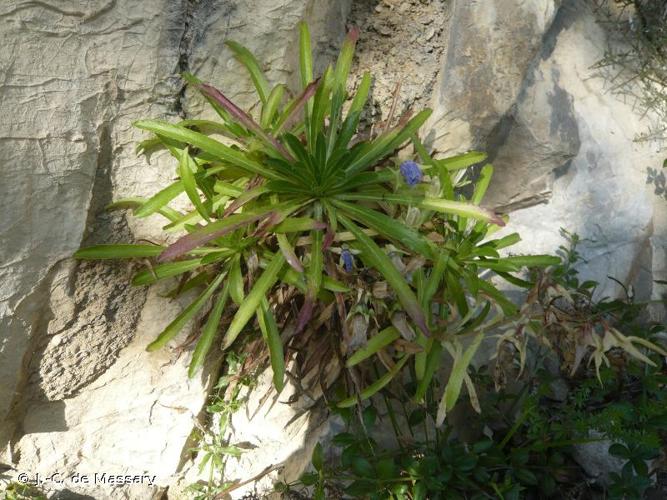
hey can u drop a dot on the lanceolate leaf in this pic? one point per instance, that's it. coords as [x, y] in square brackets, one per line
[376, 386]
[482, 184]
[207, 144]
[158, 201]
[387, 143]
[270, 109]
[288, 251]
[161, 271]
[375, 257]
[136, 202]
[246, 58]
[209, 332]
[387, 226]
[455, 382]
[210, 232]
[254, 298]
[187, 176]
[305, 55]
[181, 320]
[244, 118]
[533, 260]
[462, 161]
[434, 204]
[374, 344]
[271, 335]
[291, 113]
[98, 252]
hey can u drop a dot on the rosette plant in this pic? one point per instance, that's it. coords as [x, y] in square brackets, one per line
[303, 224]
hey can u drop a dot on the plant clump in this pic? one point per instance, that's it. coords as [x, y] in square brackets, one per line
[338, 249]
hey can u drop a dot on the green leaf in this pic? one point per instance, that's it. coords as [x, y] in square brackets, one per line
[375, 257]
[427, 203]
[506, 241]
[320, 107]
[455, 382]
[245, 57]
[318, 457]
[374, 344]
[482, 184]
[462, 161]
[433, 359]
[434, 278]
[270, 109]
[362, 94]
[167, 270]
[254, 298]
[387, 143]
[134, 202]
[175, 326]
[387, 226]
[298, 224]
[236, 289]
[185, 167]
[271, 335]
[305, 55]
[526, 476]
[99, 252]
[376, 386]
[159, 200]
[208, 145]
[316, 267]
[533, 260]
[209, 332]
[288, 251]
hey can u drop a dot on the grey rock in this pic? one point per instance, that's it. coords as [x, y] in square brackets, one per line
[79, 392]
[490, 47]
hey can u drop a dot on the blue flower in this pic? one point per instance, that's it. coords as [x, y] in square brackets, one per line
[348, 260]
[411, 172]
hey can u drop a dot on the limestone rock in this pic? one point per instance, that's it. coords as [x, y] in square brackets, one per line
[79, 392]
[491, 46]
[571, 147]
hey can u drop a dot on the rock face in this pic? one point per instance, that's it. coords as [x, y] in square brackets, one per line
[79, 393]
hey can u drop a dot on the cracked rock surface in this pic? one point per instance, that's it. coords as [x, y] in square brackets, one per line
[78, 392]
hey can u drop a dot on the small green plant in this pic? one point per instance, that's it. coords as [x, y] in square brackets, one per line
[638, 68]
[214, 448]
[21, 491]
[429, 463]
[303, 225]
